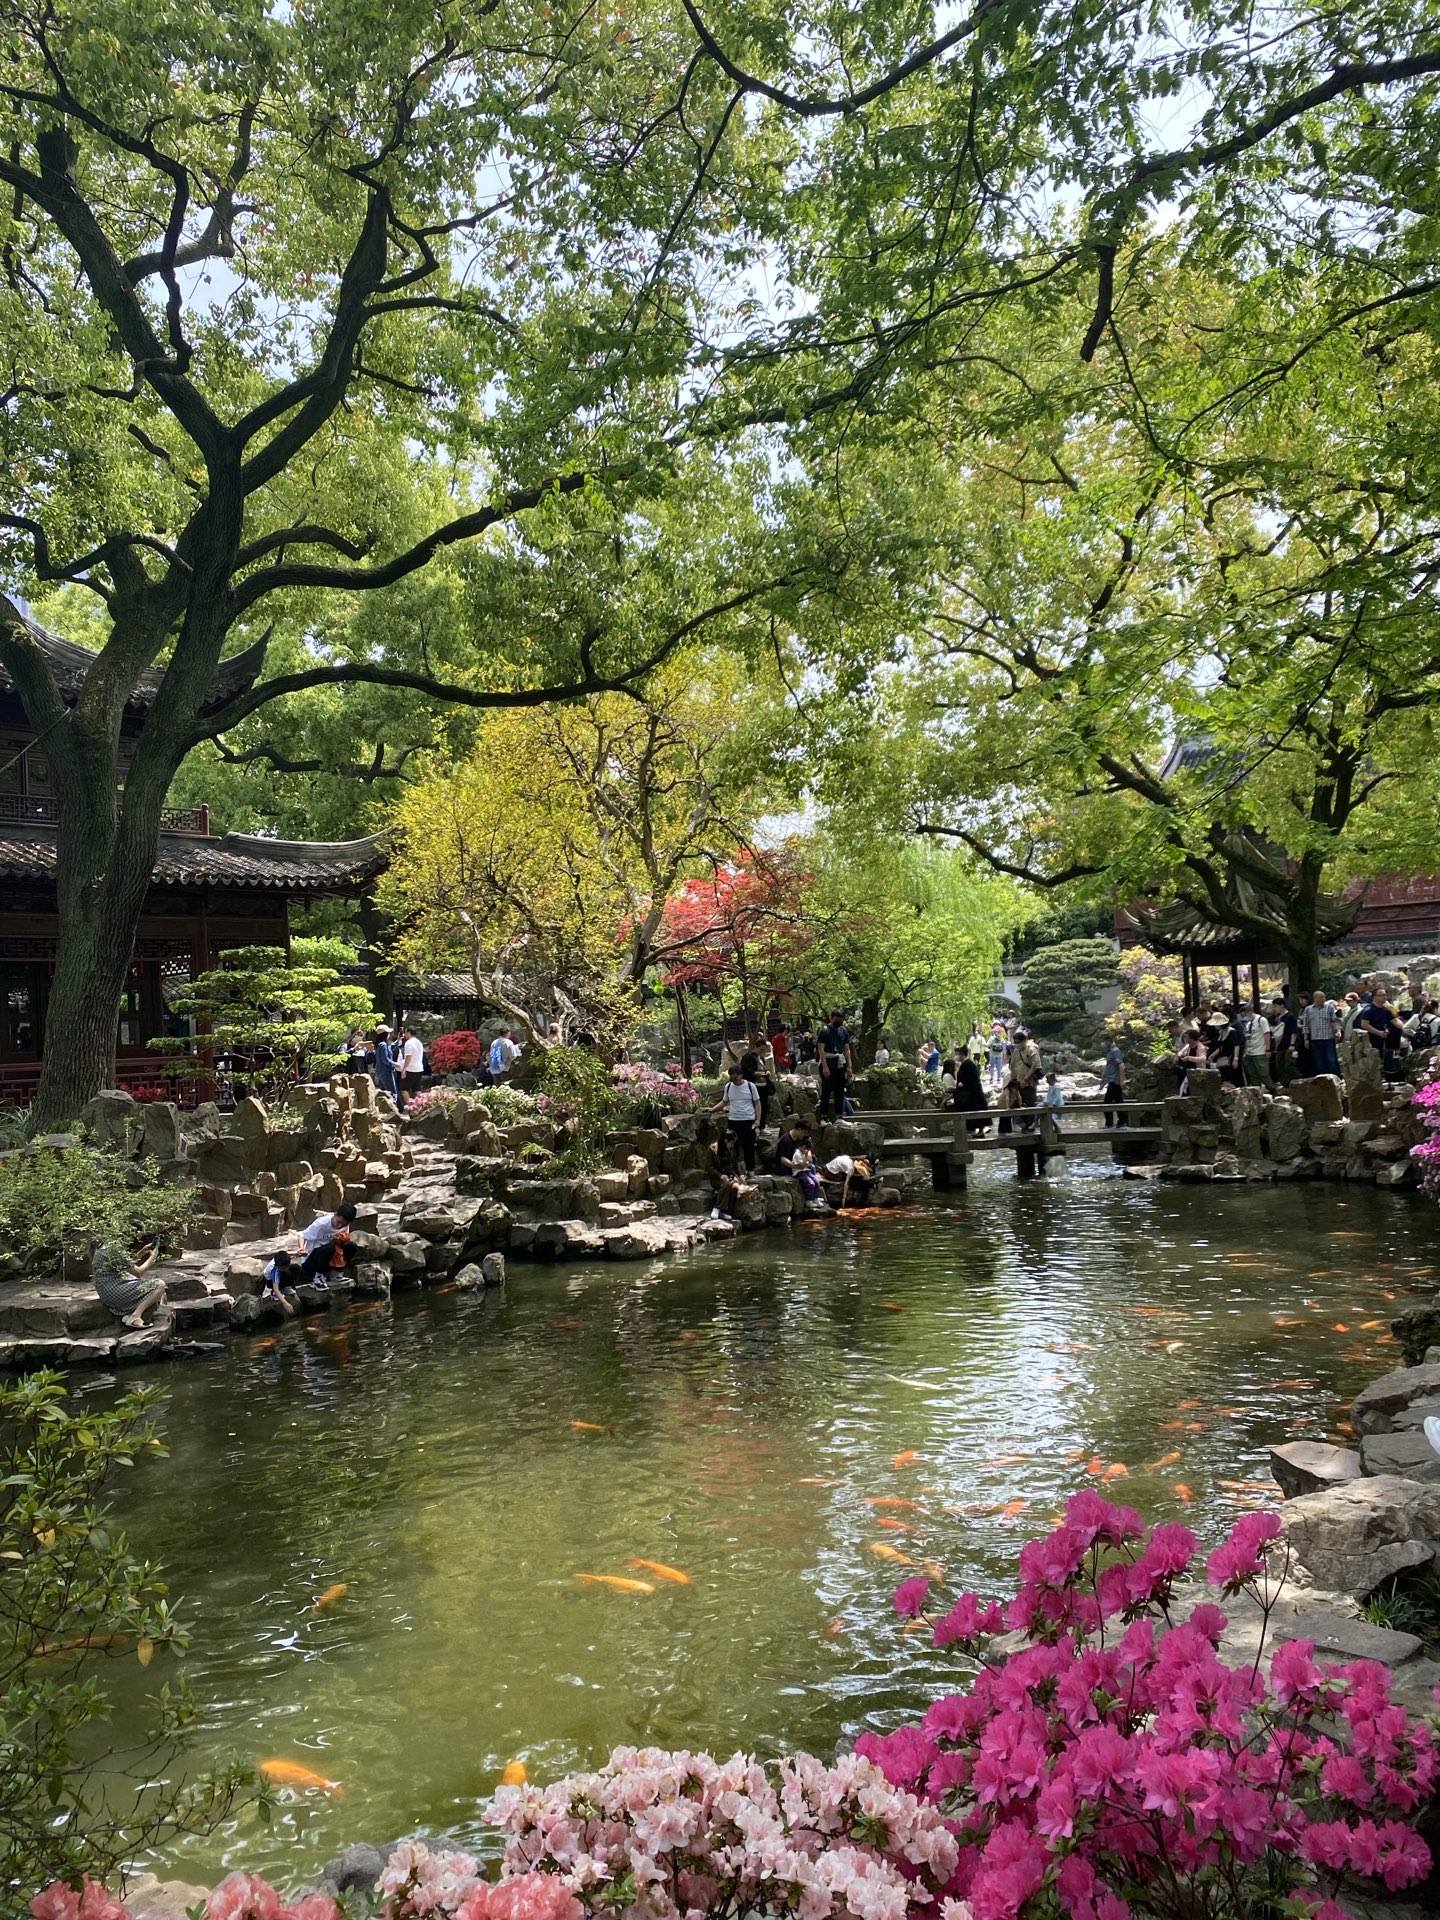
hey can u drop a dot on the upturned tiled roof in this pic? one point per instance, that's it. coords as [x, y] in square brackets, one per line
[27, 852]
[70, 663]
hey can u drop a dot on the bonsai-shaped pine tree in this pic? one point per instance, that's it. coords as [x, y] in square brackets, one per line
[279, 1021]
[1059, 980]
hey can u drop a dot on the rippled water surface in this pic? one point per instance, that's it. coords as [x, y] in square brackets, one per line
[749, 1399]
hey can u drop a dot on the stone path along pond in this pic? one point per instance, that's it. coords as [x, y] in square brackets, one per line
[457, 1460]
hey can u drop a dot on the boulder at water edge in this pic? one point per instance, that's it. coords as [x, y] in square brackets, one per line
[1307, 1466]
[1376, 1409]
[1354, 1537]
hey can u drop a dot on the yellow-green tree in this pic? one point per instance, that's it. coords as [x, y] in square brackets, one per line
[542, 862]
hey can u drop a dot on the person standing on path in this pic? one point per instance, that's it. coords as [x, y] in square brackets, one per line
[1282, 1040]
[837, 1063]
[1114, 1089]
[1256, 1062]
[741, 1101]
[502, 1056]
[995, 1055]
[383, 1049]
[1322, 1030]
[412, 1062]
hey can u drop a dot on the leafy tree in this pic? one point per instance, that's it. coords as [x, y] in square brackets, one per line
[543, 863]
[74, 1603]
[56, 1200]
[912, 934]
[1188, 654]
[1058, 980]
[466, 265]
[741, 934]
[285, 1017]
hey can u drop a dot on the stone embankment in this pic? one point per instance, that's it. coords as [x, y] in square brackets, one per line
[1328, 1128]
[1358, 1518]
[442, 1199]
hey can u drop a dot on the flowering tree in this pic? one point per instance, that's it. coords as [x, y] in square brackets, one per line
[1104, 1769]
[742, 933]
[455, 1052]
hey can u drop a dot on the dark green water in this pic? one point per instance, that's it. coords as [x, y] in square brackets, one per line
[751, 1398]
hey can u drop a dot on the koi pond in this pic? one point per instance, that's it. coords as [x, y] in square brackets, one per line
[784, 1422]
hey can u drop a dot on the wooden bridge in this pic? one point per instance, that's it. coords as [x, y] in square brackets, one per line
[1037, 1135]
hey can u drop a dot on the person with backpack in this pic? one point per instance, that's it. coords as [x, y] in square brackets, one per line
[741, 1101]
[503, 1055]
[324, 1241]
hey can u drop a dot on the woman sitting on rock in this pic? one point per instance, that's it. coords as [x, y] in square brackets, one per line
[122, 1286]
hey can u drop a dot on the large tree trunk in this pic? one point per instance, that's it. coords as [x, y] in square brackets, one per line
[104, 871]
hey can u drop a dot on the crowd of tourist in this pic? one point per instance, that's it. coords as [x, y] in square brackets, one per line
[1297, 1037]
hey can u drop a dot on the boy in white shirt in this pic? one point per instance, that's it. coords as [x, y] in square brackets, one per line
[318, 1240]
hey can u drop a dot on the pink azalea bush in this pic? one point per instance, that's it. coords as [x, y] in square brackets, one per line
[240, 1896]
[652, 1092]
[674, 1835]
[1426, 1100]
[1105, 1769]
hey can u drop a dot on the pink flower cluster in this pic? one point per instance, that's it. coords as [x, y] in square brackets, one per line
[1142, 1773]
[1426, 1101]
[670, 1092]
[674, 1835]
[418, 1883]
[240, 1896]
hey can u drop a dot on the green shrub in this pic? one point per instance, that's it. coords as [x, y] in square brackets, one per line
[505, 1105]
[1408, 1604]
[53, 1200]
[74, 1604]
[578, 1093]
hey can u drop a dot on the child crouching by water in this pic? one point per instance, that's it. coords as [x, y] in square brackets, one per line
[279, 1288]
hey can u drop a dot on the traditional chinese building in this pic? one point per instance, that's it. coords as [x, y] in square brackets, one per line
[207, 893]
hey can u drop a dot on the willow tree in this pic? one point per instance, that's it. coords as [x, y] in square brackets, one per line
[298, 306]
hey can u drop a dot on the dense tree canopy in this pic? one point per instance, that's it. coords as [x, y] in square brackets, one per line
[326, 330]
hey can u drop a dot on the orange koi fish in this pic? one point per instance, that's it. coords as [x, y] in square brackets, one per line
[1172, 1426]
[1182, 1492]
[905, 1459]
[1186, 1406]
[836, 1628]
[330, 1596]
[662, 1572]
[1165, 1460]
[616, 1582]
[893, 1306]
[1340, 1327]
[892, 1500]
[882, 1550]
[590, 1426]
[895, 1526]
[290, 1773]
[86, 1643]
[1008, 1460]
[514, 1775]
[1119, 1471]
[816, 1480]
[1097, 1465]
[1013, 1508]
[1075, 1456]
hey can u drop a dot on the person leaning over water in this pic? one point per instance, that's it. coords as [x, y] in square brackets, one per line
[122, 1286]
